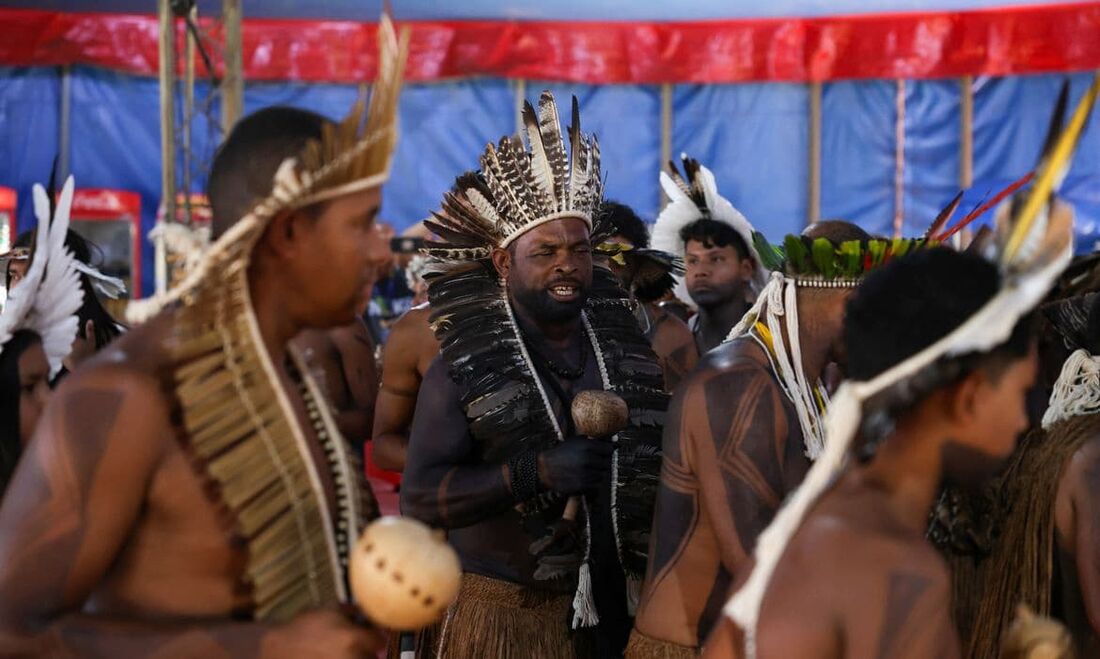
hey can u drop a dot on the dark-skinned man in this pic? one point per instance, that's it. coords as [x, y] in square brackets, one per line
[723, 272]
[187, 492]
[526, 322]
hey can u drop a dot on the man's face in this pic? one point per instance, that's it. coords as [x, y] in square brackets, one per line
[548, 270]
[34, 388]
[997, 418]
[715, 275]
[338, 257]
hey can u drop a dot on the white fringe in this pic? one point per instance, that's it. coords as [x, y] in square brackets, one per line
[1077, 391]
[584, 606]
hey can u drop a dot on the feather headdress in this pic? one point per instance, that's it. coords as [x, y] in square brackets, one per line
[1033, 243]
[520, 188]
[694, 196]
[47, 299]
[351, 156]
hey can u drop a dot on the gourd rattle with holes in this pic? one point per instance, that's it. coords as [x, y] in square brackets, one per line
[595, 414]
[403, 574]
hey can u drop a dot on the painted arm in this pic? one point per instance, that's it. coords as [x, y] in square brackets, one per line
[444, 485]
[396, 397]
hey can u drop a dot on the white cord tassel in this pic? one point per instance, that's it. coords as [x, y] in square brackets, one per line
[584, 604]
[1077, 391]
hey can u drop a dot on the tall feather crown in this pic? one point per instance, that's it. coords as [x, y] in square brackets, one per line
[521, 188]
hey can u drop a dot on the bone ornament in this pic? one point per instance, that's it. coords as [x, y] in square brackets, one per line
[403, 575]
[596, 414]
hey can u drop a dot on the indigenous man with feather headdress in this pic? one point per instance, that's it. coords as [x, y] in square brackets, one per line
[526, 323]
[187, 492]
[723, 270]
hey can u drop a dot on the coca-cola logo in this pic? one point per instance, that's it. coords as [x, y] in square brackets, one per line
[102, 202]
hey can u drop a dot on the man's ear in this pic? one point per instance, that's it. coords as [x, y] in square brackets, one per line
[748, 268]
[284, 234]
[964, 398]
[502, 261]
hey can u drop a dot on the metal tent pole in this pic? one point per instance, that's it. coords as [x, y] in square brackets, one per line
[167, 51]
[233, 80]
[813, 206]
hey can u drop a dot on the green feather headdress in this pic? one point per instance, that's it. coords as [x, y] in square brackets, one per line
[820, 262]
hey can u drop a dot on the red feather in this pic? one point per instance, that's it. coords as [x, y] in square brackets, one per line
[979, 211]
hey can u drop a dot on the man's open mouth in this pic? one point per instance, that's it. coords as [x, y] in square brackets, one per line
[564, 292]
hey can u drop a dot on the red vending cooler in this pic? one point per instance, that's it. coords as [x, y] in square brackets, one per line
[112, 220]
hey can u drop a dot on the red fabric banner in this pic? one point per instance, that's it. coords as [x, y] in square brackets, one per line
[1002, 41]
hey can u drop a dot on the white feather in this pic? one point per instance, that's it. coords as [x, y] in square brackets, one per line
[682, 211]
[47, 299]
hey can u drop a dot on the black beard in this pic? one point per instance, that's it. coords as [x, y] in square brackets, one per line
[969, 469]
[542, 307]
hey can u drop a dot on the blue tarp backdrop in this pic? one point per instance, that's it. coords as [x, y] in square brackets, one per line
[754, 137]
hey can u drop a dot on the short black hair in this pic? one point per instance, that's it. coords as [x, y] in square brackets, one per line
[913, 301]
[907, 305]
[245, 164]
[626, 223]
[837, 232]
[712, 233]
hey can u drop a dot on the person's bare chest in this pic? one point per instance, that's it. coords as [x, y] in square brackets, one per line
[180, 558]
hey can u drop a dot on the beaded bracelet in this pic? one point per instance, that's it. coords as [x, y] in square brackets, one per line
[524, 472]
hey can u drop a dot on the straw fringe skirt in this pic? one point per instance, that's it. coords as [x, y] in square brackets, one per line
[502, 620]
[644, 647]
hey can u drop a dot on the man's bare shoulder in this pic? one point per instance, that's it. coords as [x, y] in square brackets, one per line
[733, 365]
[739, 355]
[670, 328]
[415, 322]
[858, 537]
[136, 367]
[1078, 486]
[144, 349]
[1083, 466]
